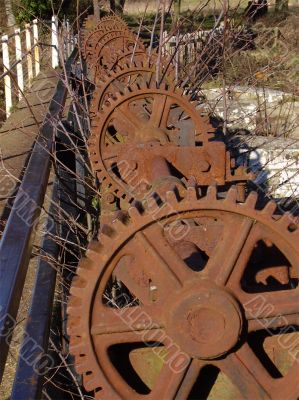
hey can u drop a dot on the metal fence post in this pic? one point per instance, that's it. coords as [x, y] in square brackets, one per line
[36, 47]
[29, 53]
[55, 56]
[7, 79]
[20, 77]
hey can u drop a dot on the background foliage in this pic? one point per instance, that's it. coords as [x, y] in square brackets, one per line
[26, 10]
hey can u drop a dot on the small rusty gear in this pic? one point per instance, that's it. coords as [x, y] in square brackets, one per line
[106, 24]
[135, 57]
[120, 58]
[115, 81]
[113, 42]
[161, 297]
[111, 48]
[143, 115]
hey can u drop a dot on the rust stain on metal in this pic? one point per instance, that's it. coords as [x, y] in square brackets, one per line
[176, 291]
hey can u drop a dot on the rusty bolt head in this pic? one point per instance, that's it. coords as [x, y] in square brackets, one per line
[109, 198]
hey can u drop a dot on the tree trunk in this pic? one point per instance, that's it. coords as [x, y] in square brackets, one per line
[96, 9]
[121, 6]
[112, 6]
[177, 10]
[281, 5]
[11, 21]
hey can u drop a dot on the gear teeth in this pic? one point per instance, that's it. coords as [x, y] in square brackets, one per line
[232, 195]
[83, 268]
[270, 208]
[152, 84]
[78, 347]
[75, 349]
[151, 204]
[81, 366]
[288, 220]
[90, 382]
[108, 231]
[171, 197]
[100, 120]
[251, 200]
[73, 303]
[79, 282]
[76, 340]
[134, 214]
[93, 251]
[191, 194]
[172, 86]
[118, 226]
[77, 291]
[179, 91]
[76, 311]
[74, 326]
[211, 193]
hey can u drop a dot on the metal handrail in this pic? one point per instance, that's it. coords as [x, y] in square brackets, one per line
[16, 242]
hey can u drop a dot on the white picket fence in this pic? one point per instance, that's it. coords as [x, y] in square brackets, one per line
[185, 48]
[22, 55]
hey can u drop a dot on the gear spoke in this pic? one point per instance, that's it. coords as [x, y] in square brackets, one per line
[246, 372]
[164, 120]
[222, 264]
[168, 266]
[108, 320]
[270, 310]
[127, 118]
[189, 379]
[170, 380]
[133, 275]
[158, 109]
[280, 321]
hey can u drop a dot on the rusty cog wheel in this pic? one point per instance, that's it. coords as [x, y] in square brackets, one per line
[106, 24]
[116, 81]
[143, 115]
[171, 295]
[111, 46]
[120, 58]
[134, 58]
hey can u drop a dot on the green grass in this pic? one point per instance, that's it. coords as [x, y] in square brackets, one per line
[192, 21]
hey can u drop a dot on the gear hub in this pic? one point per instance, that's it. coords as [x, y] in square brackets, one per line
[204, 320]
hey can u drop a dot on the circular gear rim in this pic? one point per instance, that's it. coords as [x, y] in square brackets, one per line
[116, 235]
[202, 125]
[106, 24]
[118, 73]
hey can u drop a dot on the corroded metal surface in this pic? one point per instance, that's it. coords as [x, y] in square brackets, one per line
[106, 25]
[145, 122]
[173, 300]
[178, 286]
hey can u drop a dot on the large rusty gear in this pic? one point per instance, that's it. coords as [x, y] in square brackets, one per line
[144, 115]
[122, 76]
[186, 305]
